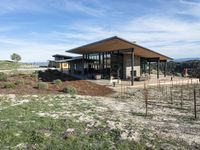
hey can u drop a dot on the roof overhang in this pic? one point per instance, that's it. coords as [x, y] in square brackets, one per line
[115, 43]
[62, 56]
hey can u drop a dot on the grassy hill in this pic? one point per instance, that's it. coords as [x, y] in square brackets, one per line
[8, 65]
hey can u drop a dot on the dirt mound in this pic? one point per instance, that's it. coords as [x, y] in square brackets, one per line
[83, 87]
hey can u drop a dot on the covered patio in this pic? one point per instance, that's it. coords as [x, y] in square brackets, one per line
[118, 58]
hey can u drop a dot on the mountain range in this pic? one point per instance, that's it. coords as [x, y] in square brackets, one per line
[186, 59]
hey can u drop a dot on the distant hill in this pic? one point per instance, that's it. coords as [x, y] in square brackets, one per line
[37, 63]
[186, 59]
[10, 65]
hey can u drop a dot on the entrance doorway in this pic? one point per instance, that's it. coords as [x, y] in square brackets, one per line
[116, 65]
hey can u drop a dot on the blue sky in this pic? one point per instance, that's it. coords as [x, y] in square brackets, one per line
[37, 29]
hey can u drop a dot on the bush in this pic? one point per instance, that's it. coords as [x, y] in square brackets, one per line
[70, 90]
[9, 85]
[19, 82]
[57, 82]
[3, 77]
[43, 86]
[34, 75]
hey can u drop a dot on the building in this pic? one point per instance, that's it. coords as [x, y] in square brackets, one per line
[59, 61]
[116, 57]
[113, 57]
[62, 62]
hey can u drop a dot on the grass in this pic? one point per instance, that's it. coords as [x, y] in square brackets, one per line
[22, 128]
[8, 65]
[63, 122]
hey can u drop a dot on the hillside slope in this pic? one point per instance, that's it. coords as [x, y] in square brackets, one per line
[7, 65]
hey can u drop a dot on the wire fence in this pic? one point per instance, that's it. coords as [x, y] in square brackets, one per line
[181, 94]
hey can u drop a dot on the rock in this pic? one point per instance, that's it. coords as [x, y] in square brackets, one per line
[12, 97]
[68, 133]
[167, 146]
[195, 146]
[149, 146]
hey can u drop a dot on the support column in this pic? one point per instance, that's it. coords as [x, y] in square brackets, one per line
[61, 67]
[149, 68]
[165, 69]
[100, 63]
[132, 66]
[106, 57]
[103, 63]
[83, 60]
[158, 67]
[118, 69]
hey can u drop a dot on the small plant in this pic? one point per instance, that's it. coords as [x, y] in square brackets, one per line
[70, 90]
[3, 77]
[57, 82]
[43, 86]
[34, 75]
[9, 85]
[19, 82]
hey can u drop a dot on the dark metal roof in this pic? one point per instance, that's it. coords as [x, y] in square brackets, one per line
[117, 43]
[59, 55]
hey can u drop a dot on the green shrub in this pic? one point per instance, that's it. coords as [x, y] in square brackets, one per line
[34, 75]
[70, 90]
[57, 82]
[9, 85]
[43, 86]
[19, 82]
[3, 77]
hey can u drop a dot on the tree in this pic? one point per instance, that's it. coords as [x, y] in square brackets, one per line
[16, 57]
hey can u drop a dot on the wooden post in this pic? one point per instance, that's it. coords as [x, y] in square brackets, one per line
[171, 94]
[132, 66]
[195, 106]
[146, 97]
[158, 66]
[199, 93]
[181, 97]
[166, 93]
[189, 94]
[149, 68]
[165, 69]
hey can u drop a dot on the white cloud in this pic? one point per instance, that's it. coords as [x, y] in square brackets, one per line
[165, 32]
[94, 10]
[7, 6]
[191, 7]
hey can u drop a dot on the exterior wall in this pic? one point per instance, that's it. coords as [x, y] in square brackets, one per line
[65, 66]
[76, 67]
[59, 65]
[127, 66]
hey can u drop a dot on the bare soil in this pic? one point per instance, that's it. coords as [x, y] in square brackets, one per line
[83, 87]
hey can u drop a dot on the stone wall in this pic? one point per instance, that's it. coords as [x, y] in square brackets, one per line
[127, 66]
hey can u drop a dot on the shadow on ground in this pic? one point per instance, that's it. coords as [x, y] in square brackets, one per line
[51, 75]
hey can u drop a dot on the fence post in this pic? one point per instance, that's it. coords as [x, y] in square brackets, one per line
[199, 93]
[189, 94]
[181, 97]
[195, 106]
[166, 93]
[146, 98]
[171, 94]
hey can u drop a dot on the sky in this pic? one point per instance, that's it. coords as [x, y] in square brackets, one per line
[37, 29]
